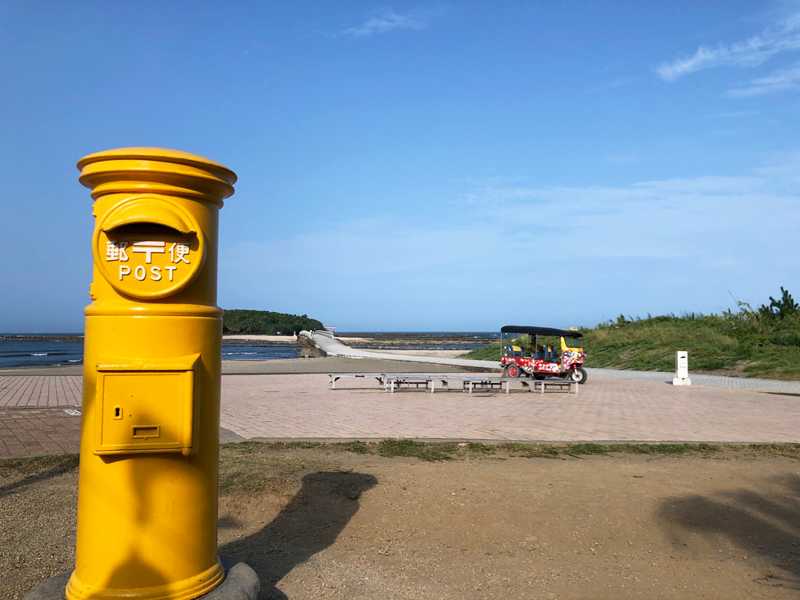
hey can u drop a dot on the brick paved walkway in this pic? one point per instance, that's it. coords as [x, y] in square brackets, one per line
[40, 390]
[281, 407]
[34, 418]
[34, 431]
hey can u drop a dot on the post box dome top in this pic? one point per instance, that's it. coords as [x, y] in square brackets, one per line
[156, 170]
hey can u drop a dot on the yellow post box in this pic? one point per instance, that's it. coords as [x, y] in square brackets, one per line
[147, 502]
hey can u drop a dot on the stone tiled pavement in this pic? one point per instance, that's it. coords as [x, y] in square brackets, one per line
[280, 407]
[34, 431]
[34, 420]
[42, 390]
[739, 383]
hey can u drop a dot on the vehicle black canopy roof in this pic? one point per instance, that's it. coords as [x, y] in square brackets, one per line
[539, 331]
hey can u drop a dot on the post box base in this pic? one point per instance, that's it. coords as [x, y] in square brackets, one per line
[240, 583]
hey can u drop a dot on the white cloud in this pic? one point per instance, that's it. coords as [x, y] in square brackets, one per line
[663, 245]
[386, 22]
[698, 219]
[666, 219]
[778, 81]
[780, 37]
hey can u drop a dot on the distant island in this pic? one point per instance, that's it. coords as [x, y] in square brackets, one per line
[264, 322]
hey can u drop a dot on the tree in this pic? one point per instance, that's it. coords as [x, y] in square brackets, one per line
[785, 307]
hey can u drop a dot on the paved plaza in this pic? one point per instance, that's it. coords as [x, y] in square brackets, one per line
[41, 414]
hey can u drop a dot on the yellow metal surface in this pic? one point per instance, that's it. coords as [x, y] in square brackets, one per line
[144, 409]
[147, 503]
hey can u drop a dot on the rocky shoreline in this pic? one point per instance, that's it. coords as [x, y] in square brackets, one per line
[12, 337]
[411, 341]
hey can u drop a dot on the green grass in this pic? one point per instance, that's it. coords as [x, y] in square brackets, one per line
[356, 447]
[248, 467]
[716, 343]
[424, 451]
[53, 465]
[252, 467]
[444, 451]
[747, 343]
[488, 352]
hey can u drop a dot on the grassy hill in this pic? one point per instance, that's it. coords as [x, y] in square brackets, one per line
[264, 322]
[762, 342]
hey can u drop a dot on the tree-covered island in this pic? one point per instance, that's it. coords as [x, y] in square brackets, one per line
[264, 322]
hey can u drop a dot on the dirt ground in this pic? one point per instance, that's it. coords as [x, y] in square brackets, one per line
[325, 523]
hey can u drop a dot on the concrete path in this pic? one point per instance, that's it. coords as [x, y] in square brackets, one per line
[336, 348]
[739, 383]
[43, 417]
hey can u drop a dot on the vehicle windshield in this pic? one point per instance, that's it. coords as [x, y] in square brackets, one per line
[572, 342]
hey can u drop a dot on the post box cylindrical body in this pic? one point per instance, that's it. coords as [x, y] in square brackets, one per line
[147, 501]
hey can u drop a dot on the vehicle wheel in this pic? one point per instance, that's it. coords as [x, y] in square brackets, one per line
[513, 371]
[538, 376]
[579, 375]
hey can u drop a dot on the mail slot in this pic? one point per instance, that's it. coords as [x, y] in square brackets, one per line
[148, 247]
[147, 501]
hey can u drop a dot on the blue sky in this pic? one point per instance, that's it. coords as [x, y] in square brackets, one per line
[420, 166]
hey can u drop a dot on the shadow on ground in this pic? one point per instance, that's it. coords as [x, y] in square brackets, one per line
[63, 464]
[311, 522]
[763, 524]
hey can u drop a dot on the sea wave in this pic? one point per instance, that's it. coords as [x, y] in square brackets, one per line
[21, 354]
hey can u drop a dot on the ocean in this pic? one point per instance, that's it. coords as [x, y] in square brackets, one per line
[49, 352]
[40, 353]
[45, 350]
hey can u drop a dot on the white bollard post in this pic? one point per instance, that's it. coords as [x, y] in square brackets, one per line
[682, 369]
